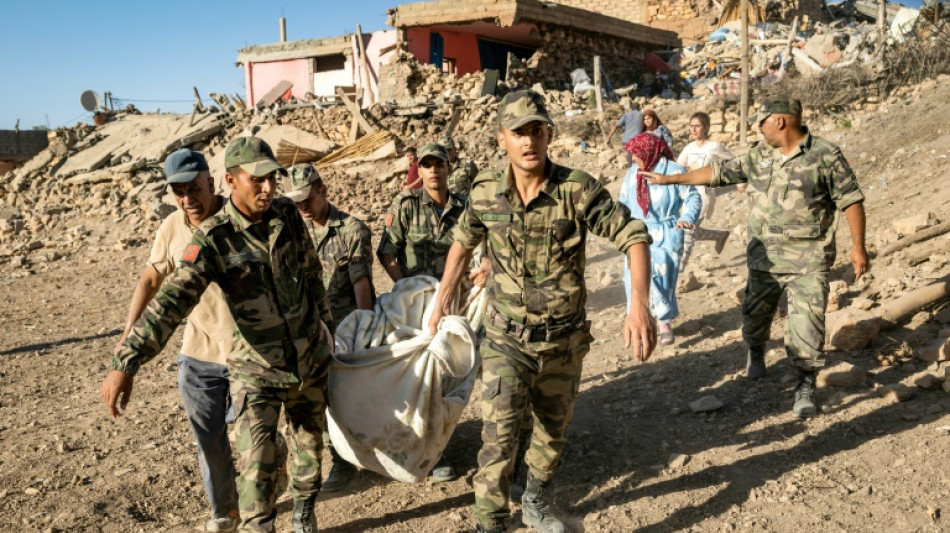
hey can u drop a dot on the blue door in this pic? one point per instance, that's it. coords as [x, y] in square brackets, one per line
[436, 49]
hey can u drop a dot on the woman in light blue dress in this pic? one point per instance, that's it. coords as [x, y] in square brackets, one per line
[666, 210]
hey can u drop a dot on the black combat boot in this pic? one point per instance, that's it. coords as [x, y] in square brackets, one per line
[497, 528]
[755, 363]
[804, 406]
[340, 474]
[537, 506]
[303, 519]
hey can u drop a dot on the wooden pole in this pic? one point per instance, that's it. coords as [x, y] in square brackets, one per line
[597, 83]
[882, 17]
[368, 96]
[744, 79]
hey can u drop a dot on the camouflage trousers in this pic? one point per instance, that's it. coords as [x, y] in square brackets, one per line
[518, 377]
[805, 329]
[258, 412]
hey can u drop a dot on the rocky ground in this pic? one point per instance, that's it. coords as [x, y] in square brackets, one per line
[639, 459]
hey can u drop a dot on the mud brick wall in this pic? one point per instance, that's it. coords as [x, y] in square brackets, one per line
[566, 49]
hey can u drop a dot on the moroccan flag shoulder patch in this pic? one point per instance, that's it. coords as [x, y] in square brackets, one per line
[191, 252]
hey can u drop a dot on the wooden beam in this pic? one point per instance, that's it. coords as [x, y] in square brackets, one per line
[353, 107]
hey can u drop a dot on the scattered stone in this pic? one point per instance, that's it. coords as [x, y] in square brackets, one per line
[908, 367]
[31, 491]
[915, 223]
[706, 404]
[738, 294]
[862, 303]
[850, 329]
[842, 374]
[895, 392]
[936, 350]
[677, 461]
[690, 284]
[838, 287]
[928, 381]
[707, 331]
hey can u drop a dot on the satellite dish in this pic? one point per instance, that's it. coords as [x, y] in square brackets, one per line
[89, 100]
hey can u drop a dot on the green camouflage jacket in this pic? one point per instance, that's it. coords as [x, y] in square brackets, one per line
[537, 252]
[460, 180]
[270, 276]
[345, 249]
[796, 203]
[416, 234]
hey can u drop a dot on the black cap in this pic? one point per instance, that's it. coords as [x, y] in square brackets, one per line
[183, 165]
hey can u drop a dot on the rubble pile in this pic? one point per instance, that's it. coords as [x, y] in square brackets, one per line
[113, 172]
[806, 49]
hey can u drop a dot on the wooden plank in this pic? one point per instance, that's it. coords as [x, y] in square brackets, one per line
[491, 82]
[354, 110]
[274, 94]
[453, 122]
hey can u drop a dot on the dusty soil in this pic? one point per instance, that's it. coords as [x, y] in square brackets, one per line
[865, 464]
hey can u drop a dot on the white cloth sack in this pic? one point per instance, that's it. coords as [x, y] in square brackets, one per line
[396, 392]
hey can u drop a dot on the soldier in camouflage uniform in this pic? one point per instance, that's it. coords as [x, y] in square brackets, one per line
[343, 243]
[418, 235]
[535, 216]
[463, 171]
[799, 184]
[419, 224]
[258, 251]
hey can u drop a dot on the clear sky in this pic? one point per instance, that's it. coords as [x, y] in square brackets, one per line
[140, 50]
[148, 52]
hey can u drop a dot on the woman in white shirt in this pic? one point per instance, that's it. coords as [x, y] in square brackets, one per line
[701, 152]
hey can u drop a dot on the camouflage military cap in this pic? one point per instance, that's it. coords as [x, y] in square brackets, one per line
[781, 105]
[299, 180]
[433, 150]
[253, 155]
[521, 107]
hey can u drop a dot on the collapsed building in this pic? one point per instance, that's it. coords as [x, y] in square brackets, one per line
[457, 38]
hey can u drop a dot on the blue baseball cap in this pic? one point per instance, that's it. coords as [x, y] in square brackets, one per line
[183, 165]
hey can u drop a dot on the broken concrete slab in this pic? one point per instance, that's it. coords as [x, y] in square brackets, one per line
[96, 176]
[141, 137]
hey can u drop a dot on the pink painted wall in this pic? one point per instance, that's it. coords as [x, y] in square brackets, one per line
[261, 77]
[374, 43]
[463, 47]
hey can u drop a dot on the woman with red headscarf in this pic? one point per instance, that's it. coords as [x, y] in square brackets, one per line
[653, 125]
[666, 210]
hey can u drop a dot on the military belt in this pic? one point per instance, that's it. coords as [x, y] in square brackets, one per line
[533, 333]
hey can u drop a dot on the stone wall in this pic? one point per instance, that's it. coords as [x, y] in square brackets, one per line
[565, 49]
